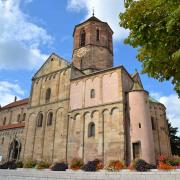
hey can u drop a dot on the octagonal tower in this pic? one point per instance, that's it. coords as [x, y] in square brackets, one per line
[93, 49]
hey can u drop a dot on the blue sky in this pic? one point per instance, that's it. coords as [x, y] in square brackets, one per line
[31, 30]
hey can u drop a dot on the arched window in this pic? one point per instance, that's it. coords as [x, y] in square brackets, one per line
[2, 142]
[40, 120]
[91, 130]
[18, 118]
[48, 95]
[139, 125]
[97, 35]
[50, 118]
[82, 38]
[4, 121]
[24, 117]
[153, 123]
[93, 93]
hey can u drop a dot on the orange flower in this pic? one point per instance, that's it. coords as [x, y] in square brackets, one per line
[164, 166]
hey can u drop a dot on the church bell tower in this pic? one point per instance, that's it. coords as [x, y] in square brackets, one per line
[93, 49]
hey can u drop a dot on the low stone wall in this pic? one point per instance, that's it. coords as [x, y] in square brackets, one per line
[30, 174]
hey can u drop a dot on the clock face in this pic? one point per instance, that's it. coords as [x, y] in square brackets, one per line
[82, 52]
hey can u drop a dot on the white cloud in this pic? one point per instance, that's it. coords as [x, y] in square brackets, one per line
[8, 91]
[172, 103]
[20, 38]
[105, 10]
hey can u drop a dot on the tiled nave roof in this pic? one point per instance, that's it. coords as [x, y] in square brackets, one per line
[12, 126]
[16, 103]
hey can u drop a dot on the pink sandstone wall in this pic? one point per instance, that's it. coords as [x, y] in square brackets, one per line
[106, 88]
[139, 113]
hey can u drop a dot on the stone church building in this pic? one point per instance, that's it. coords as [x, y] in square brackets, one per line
[85, 109]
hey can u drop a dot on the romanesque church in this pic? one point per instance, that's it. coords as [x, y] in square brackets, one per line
[85, 109]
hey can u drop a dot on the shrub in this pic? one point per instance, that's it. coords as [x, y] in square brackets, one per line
[142, 166]
[173, 160]
[4, 165]
[99, 164]
[59, 166]
[19, 164]
[151, 166]
[12, 164]
[115, 166]
[90, 166]
[29, 163]
[43, 165]
[8, 165]
[76, 164]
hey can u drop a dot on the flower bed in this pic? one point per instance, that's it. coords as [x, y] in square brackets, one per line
[168, 163]
[163, 163]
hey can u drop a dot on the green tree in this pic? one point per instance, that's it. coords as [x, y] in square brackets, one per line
[174, 139]
[155, 30]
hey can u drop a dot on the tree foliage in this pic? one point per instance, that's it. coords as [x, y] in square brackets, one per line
[174, 139]
[155, 29]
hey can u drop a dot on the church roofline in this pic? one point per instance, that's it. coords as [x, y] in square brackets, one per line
[15, 104]
[152, 100]
[12, 126]
[92, 18]
[102, 71]
[52, 54]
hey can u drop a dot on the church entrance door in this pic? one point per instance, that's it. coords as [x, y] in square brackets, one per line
[14, 150]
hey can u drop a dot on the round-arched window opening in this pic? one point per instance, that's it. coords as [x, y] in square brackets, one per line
[4, 121]
[18, 118]
[50, 118]
[93, 94]
[91, 129]
[82, 38]
[40, 120]
[24, 117]
[97, 35]
[2, 142]
[48, 95]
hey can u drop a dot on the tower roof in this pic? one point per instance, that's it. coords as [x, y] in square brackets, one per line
[92, 18]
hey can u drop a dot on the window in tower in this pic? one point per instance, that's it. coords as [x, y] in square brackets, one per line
[139, 125]
[93, 93]
[82, 38]
[97, 35]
